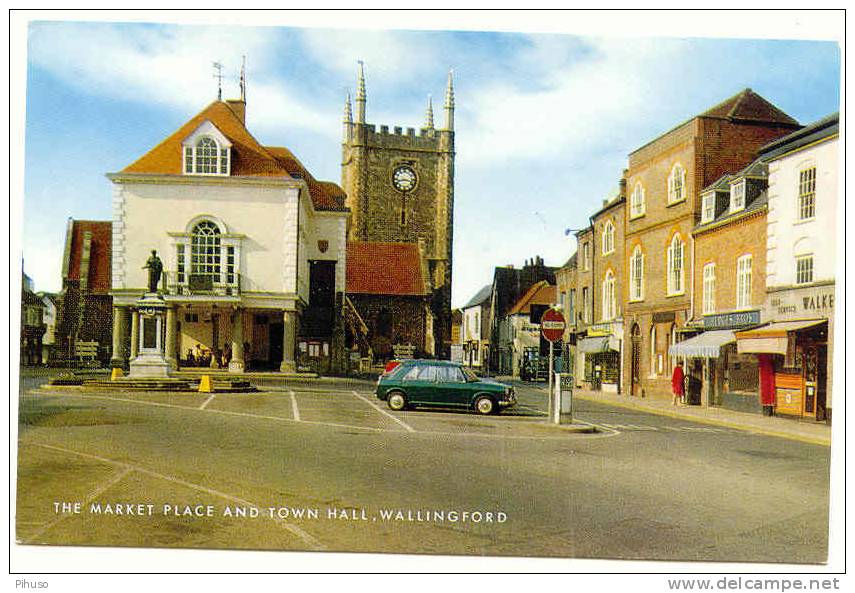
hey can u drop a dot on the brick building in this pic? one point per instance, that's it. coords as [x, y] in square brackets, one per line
[663, 185]
[85, 313]
[728, 290]
[565, 286]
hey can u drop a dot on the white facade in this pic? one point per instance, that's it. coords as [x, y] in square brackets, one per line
[471, 335]
[789, 236]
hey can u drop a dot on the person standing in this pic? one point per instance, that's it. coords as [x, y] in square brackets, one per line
[677, 384]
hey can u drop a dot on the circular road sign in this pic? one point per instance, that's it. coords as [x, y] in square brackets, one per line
[552, 325]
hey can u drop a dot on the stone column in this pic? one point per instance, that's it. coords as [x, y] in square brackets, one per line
[237, 364]
[120, 316]
[289, 339]
[135, 334]
[171, 355]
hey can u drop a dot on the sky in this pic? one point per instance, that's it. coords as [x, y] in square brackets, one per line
[544, 121]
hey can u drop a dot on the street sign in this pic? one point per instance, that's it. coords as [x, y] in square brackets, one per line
[552, 325]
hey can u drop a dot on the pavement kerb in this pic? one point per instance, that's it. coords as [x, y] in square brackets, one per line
[712, 421]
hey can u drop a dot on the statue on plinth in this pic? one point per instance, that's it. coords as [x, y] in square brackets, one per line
[155, 269]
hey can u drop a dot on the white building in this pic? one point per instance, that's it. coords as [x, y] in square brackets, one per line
[475, 332]
[253, 249]
[800, 268]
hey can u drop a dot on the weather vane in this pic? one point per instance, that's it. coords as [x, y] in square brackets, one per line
[219, 76]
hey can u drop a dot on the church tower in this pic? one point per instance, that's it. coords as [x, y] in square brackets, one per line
[400, 189]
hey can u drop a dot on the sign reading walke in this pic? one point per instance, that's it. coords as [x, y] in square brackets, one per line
[552, 325]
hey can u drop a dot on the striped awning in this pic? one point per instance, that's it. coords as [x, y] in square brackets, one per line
[772, 338]
[705, 345]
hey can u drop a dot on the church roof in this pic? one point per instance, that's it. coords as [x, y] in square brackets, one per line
[248, 156]
[541, 293]
[99, 255]
[384, 269]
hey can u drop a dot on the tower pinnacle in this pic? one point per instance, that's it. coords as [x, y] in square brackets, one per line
[360, 95]
[449, 102]
[348, 113]
[429, 114]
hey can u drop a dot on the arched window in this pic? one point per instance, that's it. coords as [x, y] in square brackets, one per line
[609, 307]
[636, 275]
[675, 266]
[205, 250]
[677, 184]
[206, 157]
[637, 201]
[608, 237]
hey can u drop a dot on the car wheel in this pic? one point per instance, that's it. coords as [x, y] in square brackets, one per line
[397, 401]
[484, 405]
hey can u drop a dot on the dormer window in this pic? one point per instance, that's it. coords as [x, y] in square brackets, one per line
[207, 152]
[708, 207]
[737, 196]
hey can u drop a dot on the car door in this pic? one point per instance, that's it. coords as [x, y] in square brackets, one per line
[452, 389]
[420, 383]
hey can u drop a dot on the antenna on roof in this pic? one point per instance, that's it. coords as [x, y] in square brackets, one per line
[243, 78]
[219, 76]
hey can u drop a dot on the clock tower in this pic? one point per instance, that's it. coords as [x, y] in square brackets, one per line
[400, 189]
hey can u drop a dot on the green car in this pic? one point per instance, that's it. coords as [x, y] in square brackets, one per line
[441, 383]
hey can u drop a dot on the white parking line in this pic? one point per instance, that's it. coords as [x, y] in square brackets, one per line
[384, 412]
[95, 494]
[207, 401]
[294, 407]
[308, 539]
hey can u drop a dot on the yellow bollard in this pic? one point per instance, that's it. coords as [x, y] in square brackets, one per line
[116, 374]
[206, 385]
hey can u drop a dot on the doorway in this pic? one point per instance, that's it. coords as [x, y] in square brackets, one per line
[635, 360]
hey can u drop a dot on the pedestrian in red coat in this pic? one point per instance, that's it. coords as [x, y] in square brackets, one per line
[677, 384]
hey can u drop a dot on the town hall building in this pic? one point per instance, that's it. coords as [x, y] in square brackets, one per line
[252, 249]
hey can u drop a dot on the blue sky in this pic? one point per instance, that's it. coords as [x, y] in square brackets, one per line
[544, 122]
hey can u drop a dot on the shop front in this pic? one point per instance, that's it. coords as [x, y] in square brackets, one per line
[600, 354]
[794, 359]
[716, 373]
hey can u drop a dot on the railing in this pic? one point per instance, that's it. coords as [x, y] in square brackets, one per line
[201, 284]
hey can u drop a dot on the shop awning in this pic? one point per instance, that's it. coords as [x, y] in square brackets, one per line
[705, 345]
[598, 344]
[772, 338]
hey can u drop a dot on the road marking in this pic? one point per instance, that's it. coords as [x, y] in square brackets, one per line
[224, 412]
[294, 407]
[533, 409]
[307, 538]
[384, 412]
[207, 401]
[97, 492]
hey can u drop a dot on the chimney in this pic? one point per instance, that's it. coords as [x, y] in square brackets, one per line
[238, 106]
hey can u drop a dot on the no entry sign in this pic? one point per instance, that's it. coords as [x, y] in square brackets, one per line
[552, 325]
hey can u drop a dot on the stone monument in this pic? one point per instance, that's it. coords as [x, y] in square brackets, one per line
[151, 308]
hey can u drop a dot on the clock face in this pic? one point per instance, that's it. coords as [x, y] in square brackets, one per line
[404, 178]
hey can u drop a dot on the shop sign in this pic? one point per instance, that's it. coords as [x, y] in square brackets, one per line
[663, 316]
[806, 302]
[600, 329]
[730, 320]
[403, 350]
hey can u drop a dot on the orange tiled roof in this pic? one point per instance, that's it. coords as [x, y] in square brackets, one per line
[99, 255]
[325, 194]
[541, 293]
[248, 158]
[384, 268]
